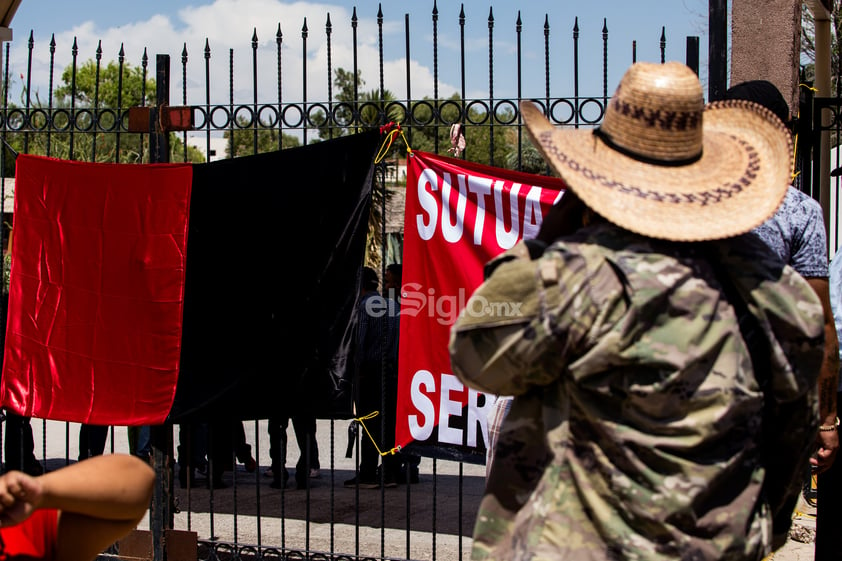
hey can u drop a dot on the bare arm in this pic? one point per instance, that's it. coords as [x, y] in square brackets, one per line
[827, 441]
[99, 500]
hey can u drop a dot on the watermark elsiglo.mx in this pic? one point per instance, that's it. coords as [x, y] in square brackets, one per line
[443, 308]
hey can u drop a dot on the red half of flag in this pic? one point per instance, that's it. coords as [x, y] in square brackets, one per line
[97, 290]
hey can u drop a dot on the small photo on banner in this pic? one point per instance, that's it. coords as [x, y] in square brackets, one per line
[458, 216]
[96, 296]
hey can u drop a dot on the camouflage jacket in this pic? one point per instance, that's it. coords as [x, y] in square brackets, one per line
[639, 428]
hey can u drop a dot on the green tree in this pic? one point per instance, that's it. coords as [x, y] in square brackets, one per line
[106, 89]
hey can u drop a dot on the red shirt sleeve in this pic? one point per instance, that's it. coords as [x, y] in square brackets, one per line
[34, 538]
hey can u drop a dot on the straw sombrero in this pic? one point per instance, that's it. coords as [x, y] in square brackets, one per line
[664, 165]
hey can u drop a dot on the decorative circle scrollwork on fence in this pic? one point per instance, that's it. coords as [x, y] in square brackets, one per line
[443, 110]
[508, 117]
[555, 119]
[587, 104]
[16, 119]
[84, 120]
[370, 114]
[39, 120]
[106, 121]
[427, 114]
[317, 115]
[292, 124]
[243, 117]
[268, 116]
[343, 114]
[220, 110]
[397, 112]
[200, 116]
[483, 110]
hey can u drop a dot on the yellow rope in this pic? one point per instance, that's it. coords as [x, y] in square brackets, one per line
[391, 130]
[372, 415]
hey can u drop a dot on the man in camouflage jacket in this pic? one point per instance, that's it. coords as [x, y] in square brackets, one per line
[639, 427]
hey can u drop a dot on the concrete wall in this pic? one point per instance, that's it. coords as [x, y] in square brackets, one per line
[766, 44]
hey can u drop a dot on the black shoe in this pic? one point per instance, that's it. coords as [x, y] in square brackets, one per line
[363, 482]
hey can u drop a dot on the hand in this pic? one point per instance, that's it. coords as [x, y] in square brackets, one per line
[828, 444]
[20, 495]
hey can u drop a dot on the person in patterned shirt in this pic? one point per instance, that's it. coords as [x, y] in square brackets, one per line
[663, 367]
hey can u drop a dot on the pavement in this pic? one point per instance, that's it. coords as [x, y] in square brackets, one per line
[429, 520]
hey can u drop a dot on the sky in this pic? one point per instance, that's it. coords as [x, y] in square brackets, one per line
[227, 26]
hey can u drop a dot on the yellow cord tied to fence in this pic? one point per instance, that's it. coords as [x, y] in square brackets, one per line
[361, 420]
[391, 130]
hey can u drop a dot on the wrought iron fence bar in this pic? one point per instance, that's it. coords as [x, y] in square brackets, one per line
[604, 62]
[663, 44]
[380, 53]
[144, 63]
[304, 34]
[231, 121]
[49, 91]
[576, 72]
[463, 106]
[435, 16]
[94, 120]
[490, 83]
[354, 23]
[256, 119]
[184, 58]
[278, 43]
[72, 116]
[519, 57]
[28, 85]
[121, 57]
[328, 33]
[408, 95]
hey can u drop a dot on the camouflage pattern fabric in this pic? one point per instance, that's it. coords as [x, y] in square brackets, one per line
[639, 429]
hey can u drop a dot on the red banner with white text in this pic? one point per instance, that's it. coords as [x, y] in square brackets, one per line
[459, 215]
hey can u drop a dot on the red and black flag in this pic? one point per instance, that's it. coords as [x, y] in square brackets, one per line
[141, 293]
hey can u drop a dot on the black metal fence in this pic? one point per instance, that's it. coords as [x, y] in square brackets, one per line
[84, 114]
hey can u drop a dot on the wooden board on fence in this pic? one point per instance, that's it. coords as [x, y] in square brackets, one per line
[181, 545]
[136, 545]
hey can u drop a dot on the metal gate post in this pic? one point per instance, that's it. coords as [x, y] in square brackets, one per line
[717, 49]
[161, 511]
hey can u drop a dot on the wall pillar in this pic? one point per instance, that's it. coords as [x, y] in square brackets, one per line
[766, 44]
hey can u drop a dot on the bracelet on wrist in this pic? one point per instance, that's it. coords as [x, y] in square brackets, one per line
[828, 428]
